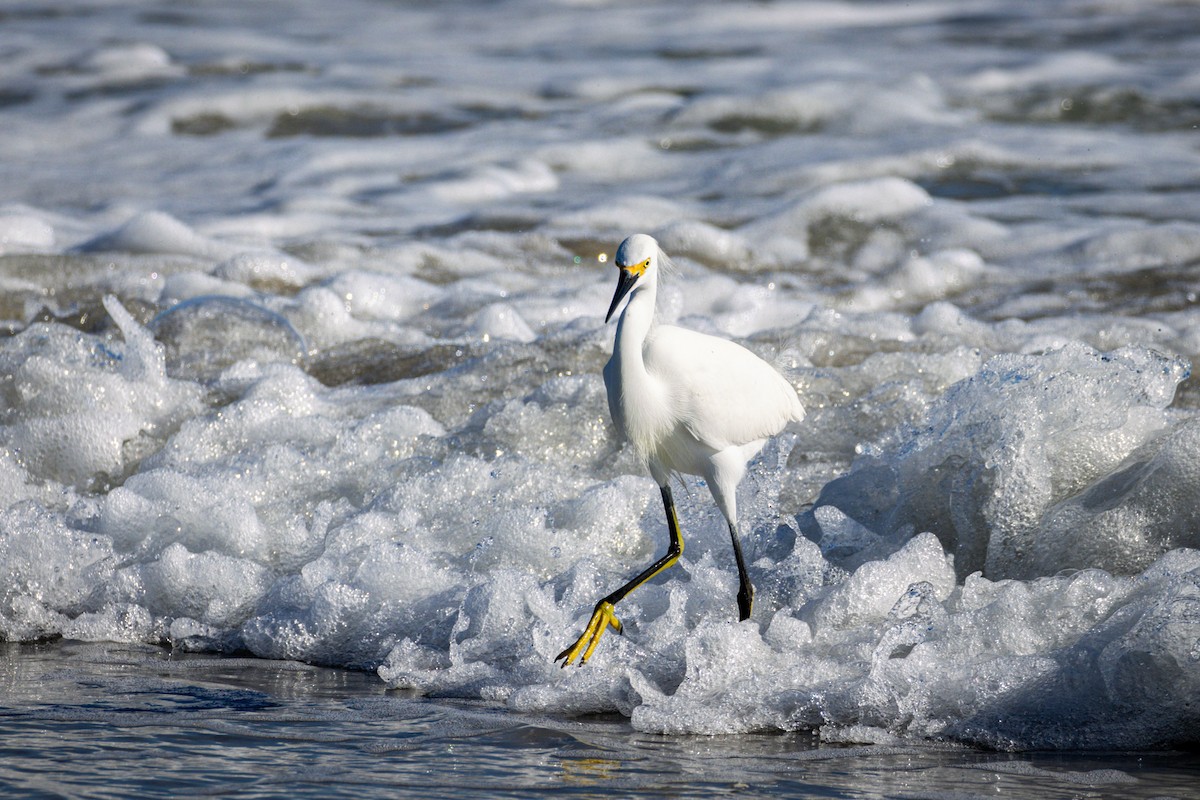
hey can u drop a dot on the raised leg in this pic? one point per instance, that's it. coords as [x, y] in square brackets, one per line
[604, 615]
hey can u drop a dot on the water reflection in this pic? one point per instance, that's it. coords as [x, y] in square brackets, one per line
[124, 720]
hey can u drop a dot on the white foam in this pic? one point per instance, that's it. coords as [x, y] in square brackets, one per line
[383, 297]
[496, 183]
[1004, 446]
[920, 279]
[158, 232]
[1141, 247]
[270, 269]
[351, 410]
[875, 587]
[500, 321]
[91, 411]
[21, 233]
[787, 235]
[1079, 66]
[123, 62]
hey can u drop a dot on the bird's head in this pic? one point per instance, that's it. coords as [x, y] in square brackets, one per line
[637, 259]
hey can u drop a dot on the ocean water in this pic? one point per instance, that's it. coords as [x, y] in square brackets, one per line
[107, 720]
[302, 428]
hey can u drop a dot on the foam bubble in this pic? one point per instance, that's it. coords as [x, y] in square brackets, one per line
[203, 336]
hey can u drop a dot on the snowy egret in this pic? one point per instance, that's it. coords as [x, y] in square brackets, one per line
[688, 403]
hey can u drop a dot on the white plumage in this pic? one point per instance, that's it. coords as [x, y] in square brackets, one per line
[687, 402]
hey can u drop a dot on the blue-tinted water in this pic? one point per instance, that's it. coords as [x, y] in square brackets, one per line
[96, 720]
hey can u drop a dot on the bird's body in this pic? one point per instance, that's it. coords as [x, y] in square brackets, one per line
[688, 403]
[702, 395]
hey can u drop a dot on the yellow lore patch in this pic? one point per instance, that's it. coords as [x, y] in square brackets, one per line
[636, 269]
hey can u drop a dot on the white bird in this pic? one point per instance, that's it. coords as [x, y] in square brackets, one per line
[688, 403]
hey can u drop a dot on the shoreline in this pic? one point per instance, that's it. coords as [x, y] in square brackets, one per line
[113, 720]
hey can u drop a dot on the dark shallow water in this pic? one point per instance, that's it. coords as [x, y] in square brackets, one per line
[106, 720]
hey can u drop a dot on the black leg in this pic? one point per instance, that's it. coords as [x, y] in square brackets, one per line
[745, 595]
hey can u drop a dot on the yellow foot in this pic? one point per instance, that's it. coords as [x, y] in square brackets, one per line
[603, 616]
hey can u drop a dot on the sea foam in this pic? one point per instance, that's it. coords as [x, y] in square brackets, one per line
[302, 351]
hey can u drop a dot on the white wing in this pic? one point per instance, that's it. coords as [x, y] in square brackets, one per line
[720, 391]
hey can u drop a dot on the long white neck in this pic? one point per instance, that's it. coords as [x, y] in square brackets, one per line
[633, 326]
